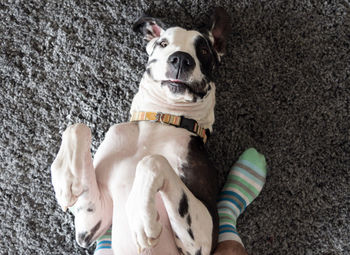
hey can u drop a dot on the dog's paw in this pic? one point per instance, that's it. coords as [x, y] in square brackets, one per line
[67, 169]
[144, 223]
[143, 217]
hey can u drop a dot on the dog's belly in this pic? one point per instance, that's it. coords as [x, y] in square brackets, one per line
[123, 242]
[120, 178]
[120, 186]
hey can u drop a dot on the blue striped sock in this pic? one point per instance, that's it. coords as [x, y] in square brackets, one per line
[104, 244]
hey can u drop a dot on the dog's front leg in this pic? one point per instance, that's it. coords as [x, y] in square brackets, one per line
[190, 220]
[75, 185]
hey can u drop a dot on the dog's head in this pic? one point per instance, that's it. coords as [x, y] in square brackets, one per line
[183, 61]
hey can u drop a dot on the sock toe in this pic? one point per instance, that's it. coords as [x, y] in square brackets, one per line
[252, 156]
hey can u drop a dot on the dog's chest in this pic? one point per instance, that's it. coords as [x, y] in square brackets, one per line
[166, 140]
[142, 139]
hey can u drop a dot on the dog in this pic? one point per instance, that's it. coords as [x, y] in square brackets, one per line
[151, 177]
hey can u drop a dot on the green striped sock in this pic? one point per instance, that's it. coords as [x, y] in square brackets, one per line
[244, 183]
[104, 244]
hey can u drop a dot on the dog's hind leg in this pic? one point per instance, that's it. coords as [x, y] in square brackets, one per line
[76, 187]
[190, 220]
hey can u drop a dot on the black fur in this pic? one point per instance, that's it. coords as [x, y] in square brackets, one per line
[141, 25]
[199, 173]
[190, 233]
[151, 62]
[85, 238]
[183, 206]
[189, 220]
[199, 252]
[180, 251]
[208, 61]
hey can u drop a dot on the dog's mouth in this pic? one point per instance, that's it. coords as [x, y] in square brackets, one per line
[176, 83]
[176, 86]
[180, 87]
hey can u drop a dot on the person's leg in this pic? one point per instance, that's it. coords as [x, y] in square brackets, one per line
[244, 183]
[104, 244]
[230, 247]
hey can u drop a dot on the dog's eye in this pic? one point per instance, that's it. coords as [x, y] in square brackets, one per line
[163, 43]
[204, 51]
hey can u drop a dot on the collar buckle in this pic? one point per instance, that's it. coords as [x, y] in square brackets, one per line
[159, 117]
[188, 124]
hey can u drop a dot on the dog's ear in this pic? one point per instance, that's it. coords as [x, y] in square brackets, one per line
[149, 27]
[220, 29]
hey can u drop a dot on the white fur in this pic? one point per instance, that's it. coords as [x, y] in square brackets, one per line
[152, 97]
[135, 173]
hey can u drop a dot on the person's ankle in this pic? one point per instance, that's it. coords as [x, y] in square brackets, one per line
[230, 247]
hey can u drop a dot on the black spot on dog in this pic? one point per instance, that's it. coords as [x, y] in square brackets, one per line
[183, 206]
[199, 252]
[148, 70]
[149, 73]
[206, 55]
[79, 209]
[84, 239]
[189, 220]
[176, 236]
[90, 210]
[190, 233]
[151, 62]
[180, 250]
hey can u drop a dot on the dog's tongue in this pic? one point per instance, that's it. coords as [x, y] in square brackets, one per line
[177, 81]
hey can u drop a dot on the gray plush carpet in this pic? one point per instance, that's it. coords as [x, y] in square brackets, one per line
[283, 88]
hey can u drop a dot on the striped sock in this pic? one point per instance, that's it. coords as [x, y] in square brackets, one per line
[244, 183]
[104, 244]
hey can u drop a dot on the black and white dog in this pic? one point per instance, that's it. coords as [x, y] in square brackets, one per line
[151, 177]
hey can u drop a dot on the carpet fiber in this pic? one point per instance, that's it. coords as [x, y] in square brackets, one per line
[283, 88]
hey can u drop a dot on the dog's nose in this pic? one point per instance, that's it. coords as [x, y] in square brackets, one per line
[181, 61]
